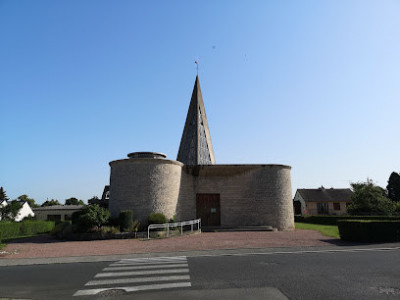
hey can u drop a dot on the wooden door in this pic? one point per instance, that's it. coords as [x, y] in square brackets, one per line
[208, 209]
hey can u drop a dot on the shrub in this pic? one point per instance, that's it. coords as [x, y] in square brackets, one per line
[90, 217]
[157, 218]
[14, 229]
[333, 220]
[113, 222]
[397, 209]
[126, 220]
[136, 226]
[369, 230]
[9, 229]
[34, 227]
[369, 199]
[109, 229]
[61, 230]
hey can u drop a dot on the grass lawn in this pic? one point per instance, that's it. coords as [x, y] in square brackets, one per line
[327, 230]
[7, 240]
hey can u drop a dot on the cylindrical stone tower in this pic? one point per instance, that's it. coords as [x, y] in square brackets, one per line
[145, 183]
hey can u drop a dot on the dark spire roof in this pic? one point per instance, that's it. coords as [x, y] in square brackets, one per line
[196, 147]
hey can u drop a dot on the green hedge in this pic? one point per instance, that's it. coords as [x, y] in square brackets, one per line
[125, 220]
[9, 229]
[14, 229]
[35, 227]
[369, 230]
[157, 218]
[333, 220]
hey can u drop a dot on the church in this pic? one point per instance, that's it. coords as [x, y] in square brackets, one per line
[194, 186]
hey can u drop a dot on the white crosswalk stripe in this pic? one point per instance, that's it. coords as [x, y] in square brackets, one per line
[140, 274]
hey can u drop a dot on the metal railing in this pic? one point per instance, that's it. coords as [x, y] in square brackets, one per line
[172, 225]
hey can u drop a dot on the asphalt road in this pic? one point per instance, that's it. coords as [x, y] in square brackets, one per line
[313, 275]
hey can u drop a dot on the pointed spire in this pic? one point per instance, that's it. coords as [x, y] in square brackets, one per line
[196, 147]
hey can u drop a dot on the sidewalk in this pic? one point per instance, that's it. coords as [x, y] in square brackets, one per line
[48, 247]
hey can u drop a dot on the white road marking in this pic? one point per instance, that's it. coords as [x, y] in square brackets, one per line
[132, 271]
[135, 273]
[135, 288]
[154, 259]
[138, 280]
[306, 251]
[129, 267]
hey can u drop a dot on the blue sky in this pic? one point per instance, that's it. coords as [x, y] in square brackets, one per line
[311, 84]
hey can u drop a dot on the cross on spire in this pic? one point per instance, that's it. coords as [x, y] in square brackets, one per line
[197, 63]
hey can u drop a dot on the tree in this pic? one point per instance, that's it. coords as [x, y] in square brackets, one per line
[74, 201]
[51, 202]
[369, 199]
[393, 187]
[3, 195]
[4, 211]
[30, 201]
[14, 206]
[94, 215]
[10, 211]
[93, 200]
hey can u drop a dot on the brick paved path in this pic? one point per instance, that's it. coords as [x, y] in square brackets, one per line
[45, 246]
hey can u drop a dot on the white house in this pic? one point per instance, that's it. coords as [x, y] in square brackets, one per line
[3, 203]
[25, 211]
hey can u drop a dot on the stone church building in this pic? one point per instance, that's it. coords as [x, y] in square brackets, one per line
[194, 186]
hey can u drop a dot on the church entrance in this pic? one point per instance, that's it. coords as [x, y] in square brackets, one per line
[208, 209]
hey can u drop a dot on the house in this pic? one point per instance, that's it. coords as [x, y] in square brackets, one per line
[3, 203]
[25, 210]
[321, 201]
[57, 212]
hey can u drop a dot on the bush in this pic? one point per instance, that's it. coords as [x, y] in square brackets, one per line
[34, 227]
[397, 209]
[136, 226]
[109, 229]
[9, 229]
[114, 222]
[61, 230]
[90, 217]
[333, 220]
[157, 218]
[125, 220]
[369, 230]
[369, 199]
[14, 229]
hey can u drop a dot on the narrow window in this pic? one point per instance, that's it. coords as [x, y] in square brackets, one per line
[336, 206]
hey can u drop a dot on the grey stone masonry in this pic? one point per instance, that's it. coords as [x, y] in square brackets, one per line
[250, 195]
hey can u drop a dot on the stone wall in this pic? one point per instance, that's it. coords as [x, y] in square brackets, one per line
[144, 186]
[250, 195]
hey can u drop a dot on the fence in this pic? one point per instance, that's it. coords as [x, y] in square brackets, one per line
[172, 225]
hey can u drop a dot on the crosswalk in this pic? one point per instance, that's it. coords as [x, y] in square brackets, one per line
[140, 274]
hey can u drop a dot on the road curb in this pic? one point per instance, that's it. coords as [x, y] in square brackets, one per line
[4, 262]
